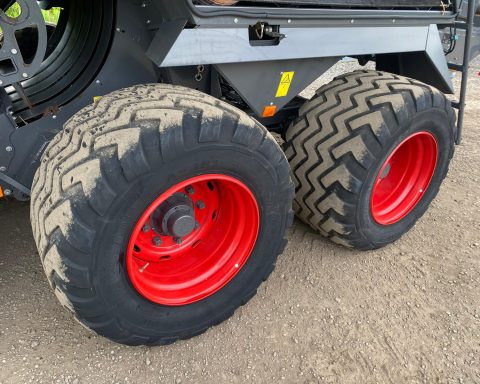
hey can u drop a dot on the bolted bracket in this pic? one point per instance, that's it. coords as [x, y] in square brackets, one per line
[7, 127]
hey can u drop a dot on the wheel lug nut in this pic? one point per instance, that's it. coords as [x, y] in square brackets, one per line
[157, 241]
[178, 240]
[146, 228]
[197, 225]
[190, 190]
[200, 204]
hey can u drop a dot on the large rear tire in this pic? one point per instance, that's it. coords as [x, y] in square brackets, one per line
[158, 211]
[368, 154]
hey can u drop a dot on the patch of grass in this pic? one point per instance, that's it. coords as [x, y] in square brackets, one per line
[50, 16]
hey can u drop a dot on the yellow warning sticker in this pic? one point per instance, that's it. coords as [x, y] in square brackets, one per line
[285, 82]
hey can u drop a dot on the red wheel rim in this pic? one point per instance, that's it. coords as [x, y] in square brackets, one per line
[172, 269]
[404, 178]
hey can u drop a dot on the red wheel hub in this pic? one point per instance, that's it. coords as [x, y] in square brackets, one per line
[193, 239]
[404, 178]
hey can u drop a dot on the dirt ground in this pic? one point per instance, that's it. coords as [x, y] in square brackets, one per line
[408, 313]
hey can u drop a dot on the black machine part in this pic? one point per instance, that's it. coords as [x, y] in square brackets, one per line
[77, 48]
[14, 65]
[71, 78]
[120, 35]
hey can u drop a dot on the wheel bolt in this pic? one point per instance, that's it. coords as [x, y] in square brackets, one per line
[178, 240]
[190, 190]
[200, 204]
[197, 225]
[157, 241]
[146, 228]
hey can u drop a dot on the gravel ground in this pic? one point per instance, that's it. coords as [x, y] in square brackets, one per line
[408, 313]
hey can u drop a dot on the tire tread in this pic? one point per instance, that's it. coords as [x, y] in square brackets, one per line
[339, 135]
[99, 138]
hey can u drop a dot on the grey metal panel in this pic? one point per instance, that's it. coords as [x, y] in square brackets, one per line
[416, 65]
[258, 83]
[436, 54]
[232, 45]
[165, 37]
[429, 66]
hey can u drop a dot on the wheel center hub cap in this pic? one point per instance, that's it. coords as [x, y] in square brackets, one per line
[175, 217]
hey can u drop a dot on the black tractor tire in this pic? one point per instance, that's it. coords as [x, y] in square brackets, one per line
[343, 136]
[108, 164]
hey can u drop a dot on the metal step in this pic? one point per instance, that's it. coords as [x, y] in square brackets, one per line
[455, 67]
[461, 25]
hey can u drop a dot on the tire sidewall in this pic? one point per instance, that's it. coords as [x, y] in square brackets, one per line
[111, 277]
[435, 121]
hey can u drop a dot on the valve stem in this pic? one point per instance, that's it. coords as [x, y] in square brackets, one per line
[141, 270]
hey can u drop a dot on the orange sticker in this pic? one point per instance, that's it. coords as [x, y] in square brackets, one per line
[269, 111]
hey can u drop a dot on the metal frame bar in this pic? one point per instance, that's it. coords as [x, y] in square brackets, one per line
[216, 16]
[465, 69]
[211, 15]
